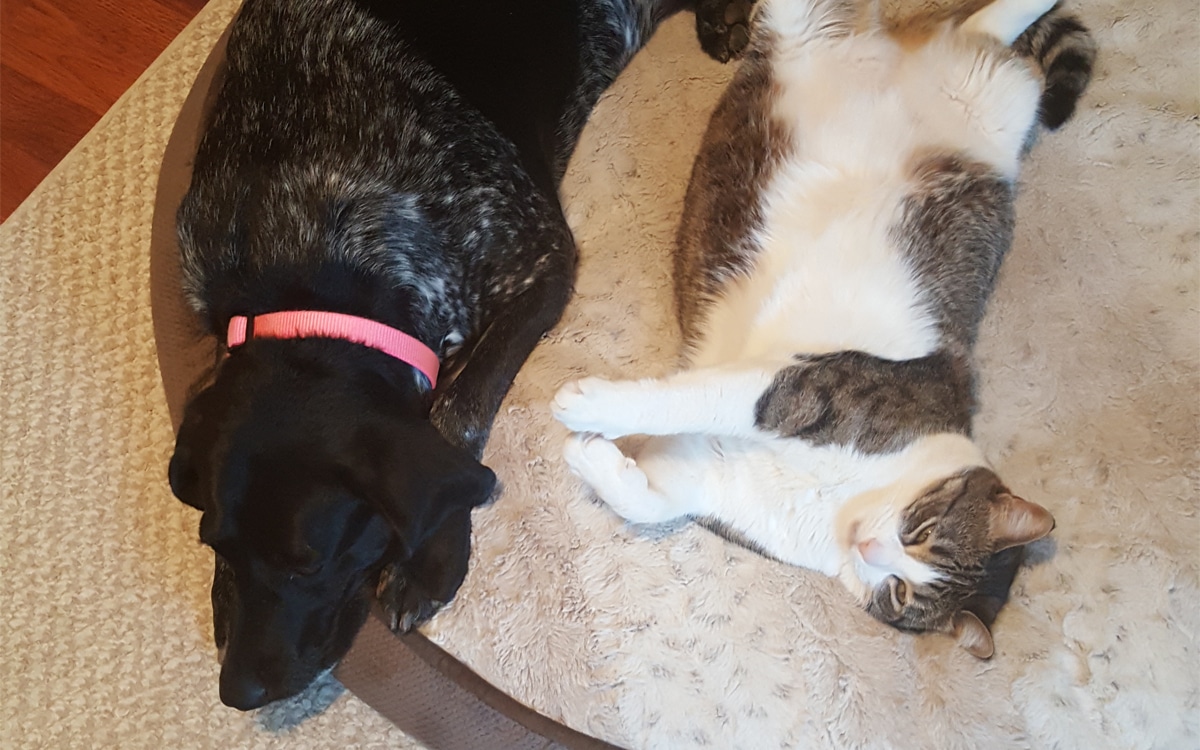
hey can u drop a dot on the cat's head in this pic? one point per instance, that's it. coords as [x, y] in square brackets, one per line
[944, 561]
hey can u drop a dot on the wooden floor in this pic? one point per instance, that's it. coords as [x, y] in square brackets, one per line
[63, 63]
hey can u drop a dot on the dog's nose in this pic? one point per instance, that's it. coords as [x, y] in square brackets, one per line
[242, 691]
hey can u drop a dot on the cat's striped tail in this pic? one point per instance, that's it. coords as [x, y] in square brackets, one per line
[1066, 52]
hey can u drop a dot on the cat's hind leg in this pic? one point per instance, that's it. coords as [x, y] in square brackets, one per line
[1064, 49]
[723, 27]
[1006, 20]
[624, 485]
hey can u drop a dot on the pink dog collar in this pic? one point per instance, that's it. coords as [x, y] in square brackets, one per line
[309, 324]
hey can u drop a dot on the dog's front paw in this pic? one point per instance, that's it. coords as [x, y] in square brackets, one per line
[412, 591]
[723, 27]
[591, 405]
[405, 604]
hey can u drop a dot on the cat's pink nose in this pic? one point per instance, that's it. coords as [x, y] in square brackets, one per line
[874, 552]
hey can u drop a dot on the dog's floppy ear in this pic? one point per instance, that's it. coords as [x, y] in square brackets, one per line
[183, 472]
[198, 432]
[415, 478]
[184, 479]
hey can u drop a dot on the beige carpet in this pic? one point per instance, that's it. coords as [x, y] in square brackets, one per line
[1091, 394]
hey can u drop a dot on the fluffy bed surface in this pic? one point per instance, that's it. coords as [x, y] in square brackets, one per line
[665, 638]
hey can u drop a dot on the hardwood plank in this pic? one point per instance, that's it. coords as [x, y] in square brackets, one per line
[87, 52]
[20, 173]
[185, 8]
[63, 64]
[44, 124]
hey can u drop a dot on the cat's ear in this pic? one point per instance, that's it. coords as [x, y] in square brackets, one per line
[1016, 521]
[972, 634]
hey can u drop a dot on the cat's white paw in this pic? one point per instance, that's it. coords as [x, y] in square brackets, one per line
[591, 405]
[600, 463]
[616, 479]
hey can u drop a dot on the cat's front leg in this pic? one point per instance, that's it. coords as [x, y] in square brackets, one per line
[874, 404]
[605, 407]
[709, 401]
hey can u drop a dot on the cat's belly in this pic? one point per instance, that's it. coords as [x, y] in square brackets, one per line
[827, 276]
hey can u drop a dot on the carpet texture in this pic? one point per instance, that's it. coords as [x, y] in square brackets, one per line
[670, 638]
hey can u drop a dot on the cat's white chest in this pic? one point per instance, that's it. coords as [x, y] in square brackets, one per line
[786, 495]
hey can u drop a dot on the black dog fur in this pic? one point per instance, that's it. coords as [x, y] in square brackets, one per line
[397, 161]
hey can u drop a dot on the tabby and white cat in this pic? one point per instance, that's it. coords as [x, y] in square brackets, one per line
[844, 225]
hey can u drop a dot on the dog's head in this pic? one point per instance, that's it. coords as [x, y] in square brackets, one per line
[308, 475]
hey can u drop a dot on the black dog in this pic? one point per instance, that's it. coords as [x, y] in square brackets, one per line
[397, 162]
